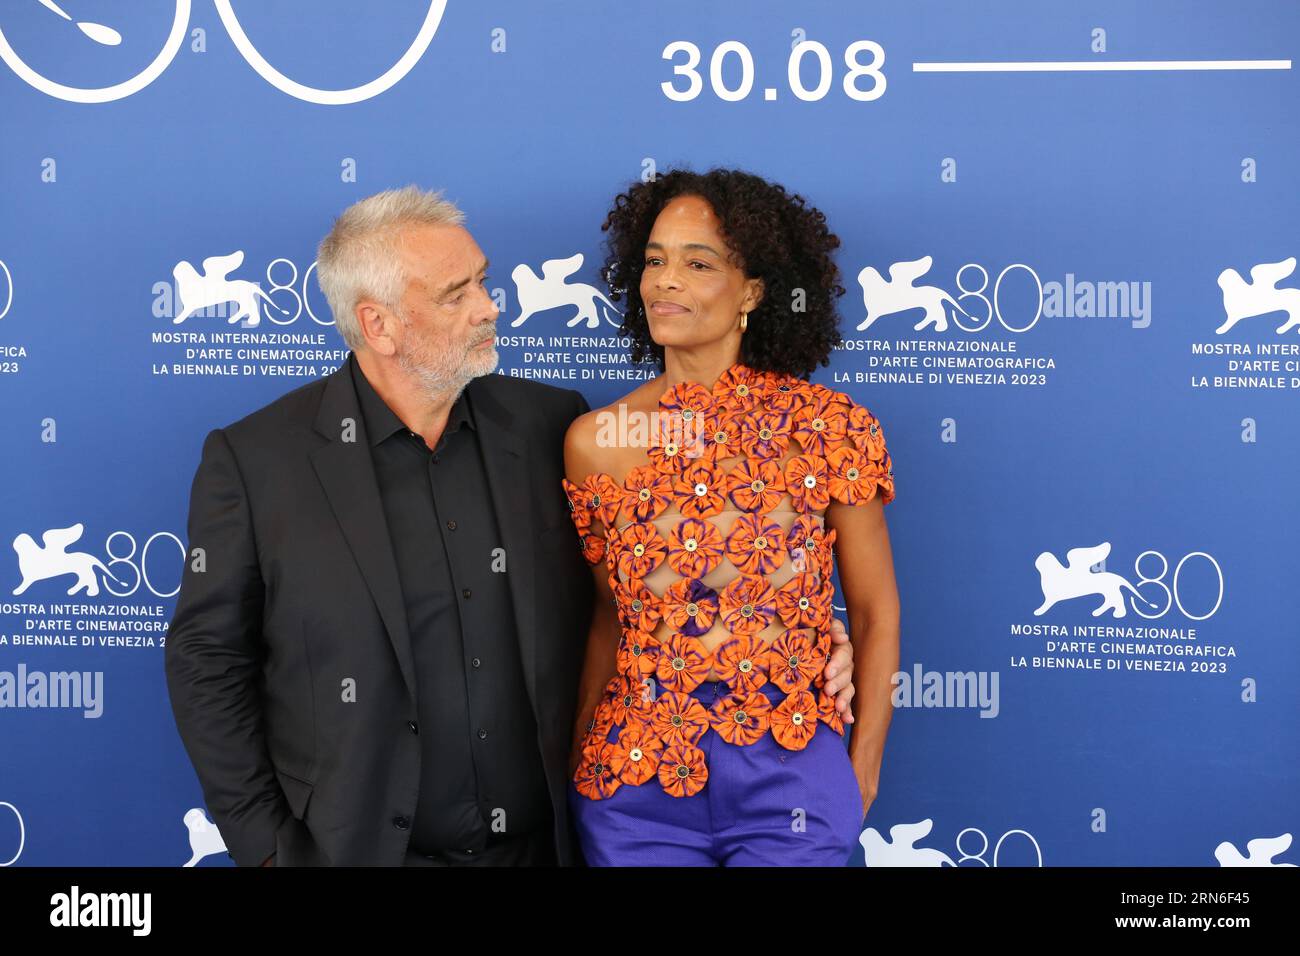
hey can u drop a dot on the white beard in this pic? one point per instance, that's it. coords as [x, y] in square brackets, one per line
[439, 373]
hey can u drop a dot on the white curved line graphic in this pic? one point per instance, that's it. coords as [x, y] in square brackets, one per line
[9, 282]
[22, 834]
[104, 94]
[332, 97]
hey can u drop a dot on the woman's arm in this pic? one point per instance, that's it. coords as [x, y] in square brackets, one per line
[866, 567]
[599, 664]
[600, 661]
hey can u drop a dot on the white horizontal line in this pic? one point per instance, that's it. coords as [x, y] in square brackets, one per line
[1071, 66]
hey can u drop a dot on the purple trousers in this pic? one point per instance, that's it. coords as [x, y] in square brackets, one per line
[763, 805]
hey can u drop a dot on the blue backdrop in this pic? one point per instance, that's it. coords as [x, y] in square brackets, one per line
[1119, 232]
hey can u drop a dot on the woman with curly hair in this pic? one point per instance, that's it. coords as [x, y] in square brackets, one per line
[712, 711]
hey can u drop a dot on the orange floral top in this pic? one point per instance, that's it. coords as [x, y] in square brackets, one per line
[720, 565]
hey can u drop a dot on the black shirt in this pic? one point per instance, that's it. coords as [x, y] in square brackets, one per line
[480, 762]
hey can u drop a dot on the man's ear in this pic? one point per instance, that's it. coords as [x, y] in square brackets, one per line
[376, 323]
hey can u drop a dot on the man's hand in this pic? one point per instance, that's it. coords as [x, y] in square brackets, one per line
[839, 671]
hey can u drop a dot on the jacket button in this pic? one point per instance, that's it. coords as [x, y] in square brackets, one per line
[401, 822]
[482, 734]
[415, 728]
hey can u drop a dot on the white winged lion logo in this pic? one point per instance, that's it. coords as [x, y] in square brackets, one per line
[195, 291]
[51, 560]
[550, 291]
[1077, 579]
[897, 294]
[1259, 296]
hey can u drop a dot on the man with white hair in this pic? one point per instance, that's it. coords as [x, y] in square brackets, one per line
[377, 663]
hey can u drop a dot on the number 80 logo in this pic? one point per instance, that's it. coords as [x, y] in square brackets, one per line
[180, 23]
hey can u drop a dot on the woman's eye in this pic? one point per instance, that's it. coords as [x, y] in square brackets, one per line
[698, 263]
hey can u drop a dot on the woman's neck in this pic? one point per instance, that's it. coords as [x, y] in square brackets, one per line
[704, 366]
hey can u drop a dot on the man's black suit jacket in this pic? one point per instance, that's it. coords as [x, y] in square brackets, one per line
[288, 659]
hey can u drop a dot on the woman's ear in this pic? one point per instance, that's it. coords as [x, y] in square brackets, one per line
[753, 295]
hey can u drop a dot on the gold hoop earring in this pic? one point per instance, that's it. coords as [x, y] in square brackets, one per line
[744, 321]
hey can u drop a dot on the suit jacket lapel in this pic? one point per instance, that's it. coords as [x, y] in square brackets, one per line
[505, 459]
[348, 477]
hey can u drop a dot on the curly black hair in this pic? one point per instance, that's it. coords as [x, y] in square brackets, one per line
[773, 235]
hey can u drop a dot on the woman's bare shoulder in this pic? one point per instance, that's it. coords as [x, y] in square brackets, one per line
[593, 443]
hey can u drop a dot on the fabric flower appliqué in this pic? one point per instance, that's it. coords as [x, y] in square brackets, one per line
[741, 720]
[602, 721]
[747, 604]
[638, 607]
[679, 720]
[698, 491]
[865, 432]
[646, 493]
[784, 393]
[640, 550]
[722, 440]
[756, 485]
[627, 699]
[578, 510]
[820, 425]
[794, 720]
[809, 545]
[806, 480]
[687, 399]
[818, 392]
[765, 434]
[603, 496]
[685, 412]
[595, 778]
[593, 547]
[638, 654]
[755, 545]
[635, 758]
[591, 543]
[793, 662]
[682, 771]
[742, 663]
[852, 477]
[739, 388]
[694, 548]
[804, 601]
[690, 606]
[827, 714]
[683, 663]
